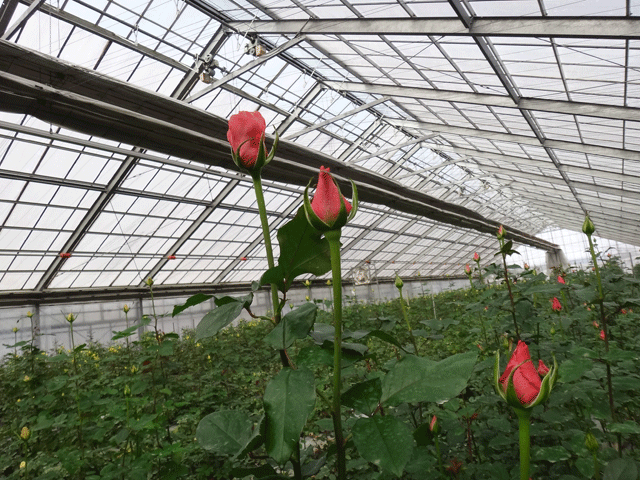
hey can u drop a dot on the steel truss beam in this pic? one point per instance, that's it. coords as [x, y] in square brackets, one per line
[22, 21]
[532, 162]
[566, 27]
[324, 123]
[492, 100]
[240, 71]
[557, 181]
[586, 148]
[7, 9]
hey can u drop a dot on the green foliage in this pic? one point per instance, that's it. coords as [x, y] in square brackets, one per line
[132, 410]
[302, 250]
[289, 399]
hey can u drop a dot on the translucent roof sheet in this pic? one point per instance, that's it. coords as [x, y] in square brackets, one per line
[520, 111]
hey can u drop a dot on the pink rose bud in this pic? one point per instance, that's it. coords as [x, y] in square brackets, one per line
[526, 380]
[246, 136]
[476, 257]
[246, 132]
[329, 210]
[561, 280]
[556, 306]
[602, 335]
[595, 324]
[467, 269]
[434, 426]
[542, 368]
[501, 232]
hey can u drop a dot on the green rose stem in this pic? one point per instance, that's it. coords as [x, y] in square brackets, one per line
[603, 322]
[257, 186]
[525, 441]
[333, 237]
[506, 278]
[438, 454]
[70, 319]
[399, 285]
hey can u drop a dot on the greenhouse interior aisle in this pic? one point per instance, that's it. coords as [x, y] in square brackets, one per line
[420, 153]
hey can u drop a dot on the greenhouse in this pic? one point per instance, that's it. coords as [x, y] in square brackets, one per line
[319, 239]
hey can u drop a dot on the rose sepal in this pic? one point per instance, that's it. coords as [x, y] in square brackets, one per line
[343, 217]
[261, 160]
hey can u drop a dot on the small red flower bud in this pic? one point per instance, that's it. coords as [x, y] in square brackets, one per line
[433, 425]
[556, 305]
[476, 257]
[602, 335]
[561, 280]
[467, 269]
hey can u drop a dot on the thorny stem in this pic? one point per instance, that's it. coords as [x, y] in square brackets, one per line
[603, 320]
[406, 319]
[438, 454]
[525, 441]
[77, 392]
[333, 237]
[262, 209]
[277, 306]
[506, 277]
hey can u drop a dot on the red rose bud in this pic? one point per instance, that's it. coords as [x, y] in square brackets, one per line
[501, 232]
[329, 210]
[520, 385]
[542, 368]
[476, 257]
[467, 269]
[561, 280]
[556, 306]
[246, 135]
[602, 335]
[434, 426]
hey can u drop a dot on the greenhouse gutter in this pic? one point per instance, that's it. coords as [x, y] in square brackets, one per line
[60, 296]
[85, 101]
